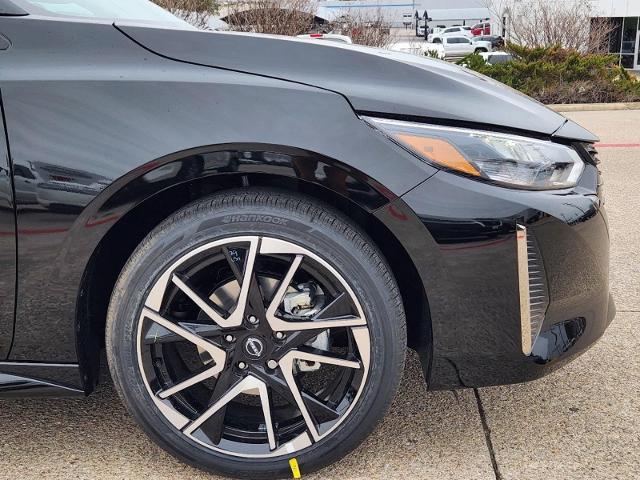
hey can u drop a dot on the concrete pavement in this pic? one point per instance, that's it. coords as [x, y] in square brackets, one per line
[581, 422]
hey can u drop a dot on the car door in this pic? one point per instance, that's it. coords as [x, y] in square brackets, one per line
[447, 46]
[465, 46]
[7, 241]
[453, 46]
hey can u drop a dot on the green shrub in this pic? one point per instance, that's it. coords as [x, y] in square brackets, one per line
[558, 75]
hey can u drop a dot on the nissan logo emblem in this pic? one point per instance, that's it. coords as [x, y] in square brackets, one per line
[254, 347]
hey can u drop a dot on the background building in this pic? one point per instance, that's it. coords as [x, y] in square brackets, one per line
[625, 38]
[624, 16]
[443, 12]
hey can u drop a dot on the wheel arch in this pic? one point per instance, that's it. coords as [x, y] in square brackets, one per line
[131, 207]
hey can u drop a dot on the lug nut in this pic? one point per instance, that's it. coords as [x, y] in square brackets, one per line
[242, 365]
[230, 338]
[280, 335]
[272, 364]
[253, 320]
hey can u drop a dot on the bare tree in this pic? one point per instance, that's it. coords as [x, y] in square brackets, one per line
[196, 12]
[364, 28]
[296, 17]
[277, 17]
[600, 35]
[544, 23]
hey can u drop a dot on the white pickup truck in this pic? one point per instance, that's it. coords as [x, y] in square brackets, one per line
[451, 47]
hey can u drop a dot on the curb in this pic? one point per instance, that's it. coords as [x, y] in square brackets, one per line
[594, 107]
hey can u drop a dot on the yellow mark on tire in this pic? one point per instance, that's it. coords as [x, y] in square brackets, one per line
[295, 468]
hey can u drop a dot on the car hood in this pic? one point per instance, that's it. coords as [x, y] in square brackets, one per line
[374, 81]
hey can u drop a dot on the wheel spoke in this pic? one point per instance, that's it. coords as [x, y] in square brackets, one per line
[200, 377]
[266, 410]
[247, 277]
[279, 325]
[208, 307]
[217, 354]
[245, 385]
[282, 288]
[314, 355]
[278, 383]
[212, 310]
[254, 297]
[159, 334]
[340, 307]
[237, 389]
[295, 340]
[318, 408]
[215, 426]
[286, 364]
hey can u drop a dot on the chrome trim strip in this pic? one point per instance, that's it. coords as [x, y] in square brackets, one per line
[523, 287]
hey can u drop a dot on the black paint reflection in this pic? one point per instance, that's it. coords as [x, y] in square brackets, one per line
[55, 188]
[63, 213]
[295, 164]
[7, 250]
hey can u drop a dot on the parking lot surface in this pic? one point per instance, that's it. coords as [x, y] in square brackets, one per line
[581, 422]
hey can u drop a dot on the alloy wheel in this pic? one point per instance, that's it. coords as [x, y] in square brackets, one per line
[253, 346]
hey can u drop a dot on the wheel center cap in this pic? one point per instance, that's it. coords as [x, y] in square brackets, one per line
[254, 347]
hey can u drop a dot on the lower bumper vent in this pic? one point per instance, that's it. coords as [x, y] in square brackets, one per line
[532, 283]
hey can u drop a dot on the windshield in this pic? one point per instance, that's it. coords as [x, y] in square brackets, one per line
[142, 11]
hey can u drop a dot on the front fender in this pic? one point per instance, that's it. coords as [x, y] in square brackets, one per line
[97, 130]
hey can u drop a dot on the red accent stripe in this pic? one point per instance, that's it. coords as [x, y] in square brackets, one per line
[95, 223]
[618, 145]
[41, 231]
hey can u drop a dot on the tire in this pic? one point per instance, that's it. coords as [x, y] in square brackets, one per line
[481, 49]
[348, 270]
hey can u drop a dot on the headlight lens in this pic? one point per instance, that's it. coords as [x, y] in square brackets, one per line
[507, 159]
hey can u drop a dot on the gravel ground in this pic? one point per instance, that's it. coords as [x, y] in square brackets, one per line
[580, 422]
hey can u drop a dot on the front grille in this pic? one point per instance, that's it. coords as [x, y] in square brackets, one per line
[592, 152]
[534, 294]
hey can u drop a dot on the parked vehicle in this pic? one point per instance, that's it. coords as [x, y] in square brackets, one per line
[456, 46]
[260, 226]
[328, 37]
[497, 42]
[483, 28]
[415, 48]
[25, 185]
[494, 58]
[456, 31]
[481, 45]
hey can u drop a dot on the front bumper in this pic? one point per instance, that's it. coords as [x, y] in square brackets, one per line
[467, 260]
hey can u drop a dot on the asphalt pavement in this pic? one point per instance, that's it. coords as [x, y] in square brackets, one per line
[581, 422]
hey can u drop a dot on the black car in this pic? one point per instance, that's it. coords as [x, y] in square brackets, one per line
[255, 228]
[497, 42]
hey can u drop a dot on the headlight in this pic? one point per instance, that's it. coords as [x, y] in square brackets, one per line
[511, 160]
